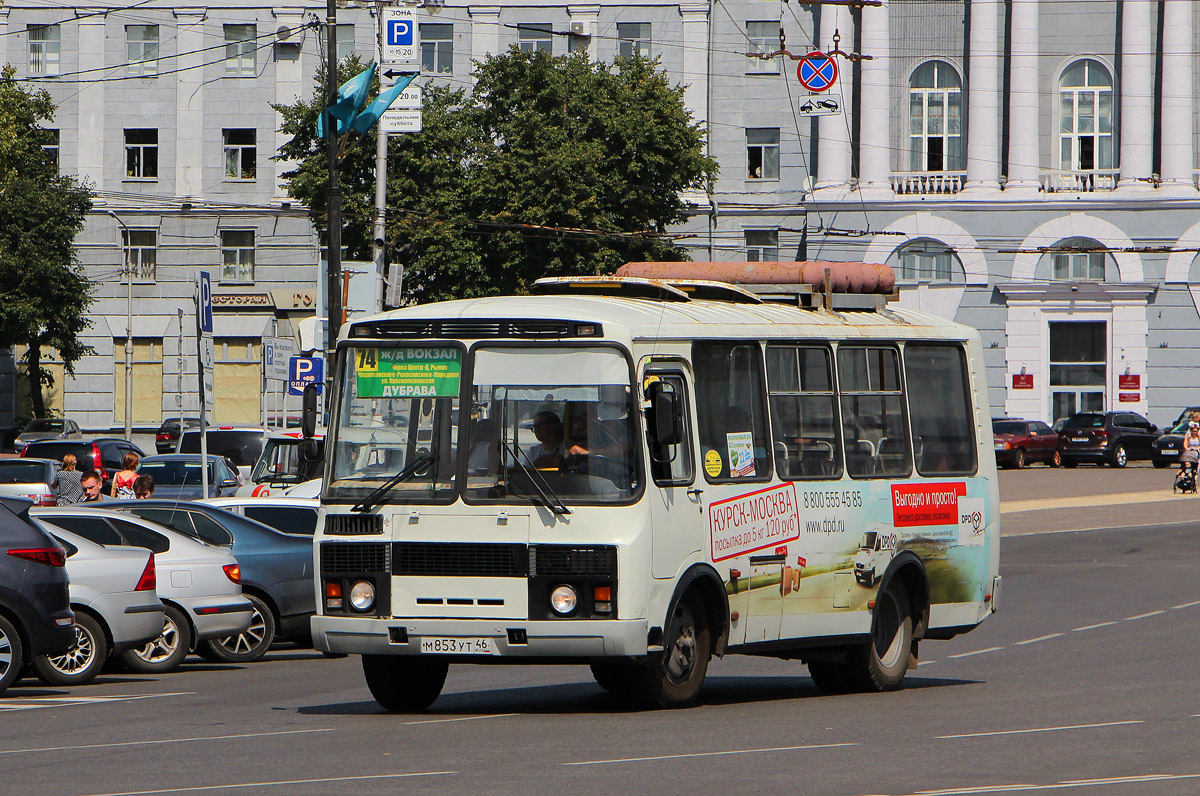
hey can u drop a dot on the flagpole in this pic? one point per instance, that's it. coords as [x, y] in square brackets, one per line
[333, 260]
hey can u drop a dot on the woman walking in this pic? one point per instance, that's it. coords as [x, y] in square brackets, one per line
[67, 483]
[124, 480]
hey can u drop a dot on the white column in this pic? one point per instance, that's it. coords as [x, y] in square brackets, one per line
[586, 17]
[189, 105]
[4, 37]
[1177, 122]
[289, 87]
[91, 103]
[983, 97]
[1137, 94]
[485, 31]
[695, 58]
[875, 135]
[833, 132]
[1024, 158]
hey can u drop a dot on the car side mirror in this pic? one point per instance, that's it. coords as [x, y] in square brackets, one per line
[308, 417]
[666, 424]
[229, 482]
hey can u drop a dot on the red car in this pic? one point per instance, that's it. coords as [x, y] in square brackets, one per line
[1019, 442]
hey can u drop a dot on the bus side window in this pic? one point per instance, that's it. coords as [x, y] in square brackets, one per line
[803, 412]
[731, 411]
[673, 465]
[939, 397]
[874, 425]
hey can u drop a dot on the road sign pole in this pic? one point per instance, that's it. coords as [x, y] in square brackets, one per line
[203, 320]
[333, 260]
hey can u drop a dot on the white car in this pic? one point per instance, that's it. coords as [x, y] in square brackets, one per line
[309, 489]
[198, 583]
[281, 465]
[291, 515]
[116, 605]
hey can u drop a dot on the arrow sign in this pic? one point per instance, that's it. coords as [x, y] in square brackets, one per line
[817, 71]
[392, 74]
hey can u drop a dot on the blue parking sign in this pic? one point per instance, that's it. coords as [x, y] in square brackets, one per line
[400, 32]
[303, 371]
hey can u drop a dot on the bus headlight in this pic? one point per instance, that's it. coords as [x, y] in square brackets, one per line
[362, 595]
[563, 600]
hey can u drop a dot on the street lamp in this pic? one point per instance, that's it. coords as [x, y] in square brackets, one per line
[128, 330]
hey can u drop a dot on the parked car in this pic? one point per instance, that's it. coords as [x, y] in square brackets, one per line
[28, 478]
[177, 476]
[105, 455]
[1106, 438]
[283, 464]
[114, 597]
[166, 439]
[1169, 447]
[276, 572]
[35, 610]
[308, 489]
[295, 516]
[242, 446]
[1019, 442]
[44, 428]
[199, 584]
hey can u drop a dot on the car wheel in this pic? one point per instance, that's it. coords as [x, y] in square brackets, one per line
[249, 645]
[12, 654]
[881, 663]
[674, 680]
[1119, 457]
[165, 653]
[1056, 459]
[1160, 463]
[82, 662]
[404, 684]
[1019, 459]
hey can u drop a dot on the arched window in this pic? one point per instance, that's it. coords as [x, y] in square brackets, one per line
[1085, 131]
[935, 118]
[927, 260]
[1079, 260]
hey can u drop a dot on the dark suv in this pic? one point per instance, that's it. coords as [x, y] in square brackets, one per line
[166, 439]
[35, 611]
[1106, 438]
[105, 455]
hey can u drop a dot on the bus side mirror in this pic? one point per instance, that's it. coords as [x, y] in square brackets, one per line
[666, 425]
[308, 416]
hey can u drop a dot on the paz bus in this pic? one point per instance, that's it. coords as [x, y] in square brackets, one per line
[642, 471]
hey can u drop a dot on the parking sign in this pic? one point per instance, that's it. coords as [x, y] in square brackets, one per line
[401, 39]
[303, 371]
[204, 302]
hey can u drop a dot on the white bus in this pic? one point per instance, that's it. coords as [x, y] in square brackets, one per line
[639, 475]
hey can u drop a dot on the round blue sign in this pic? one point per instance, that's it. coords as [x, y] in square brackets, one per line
[817, 71]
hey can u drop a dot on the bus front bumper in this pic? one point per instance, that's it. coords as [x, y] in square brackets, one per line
[584, 638]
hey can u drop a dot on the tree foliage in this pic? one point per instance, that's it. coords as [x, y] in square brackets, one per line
[546, 166]
[44, 295]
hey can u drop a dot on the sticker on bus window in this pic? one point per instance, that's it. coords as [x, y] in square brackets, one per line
[713, 464]
[741, 453]
[408, 372]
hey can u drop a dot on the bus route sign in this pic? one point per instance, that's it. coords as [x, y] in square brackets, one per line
[408, 372]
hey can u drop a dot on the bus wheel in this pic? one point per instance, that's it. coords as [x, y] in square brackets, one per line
[404, 684]
[675, 680]
[829, 677]
[880, 664]
[615, 678]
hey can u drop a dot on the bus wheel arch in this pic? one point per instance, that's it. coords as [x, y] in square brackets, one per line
[908, 569]
[706, 585]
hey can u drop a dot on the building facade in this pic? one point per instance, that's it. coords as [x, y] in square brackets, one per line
[1027, 166]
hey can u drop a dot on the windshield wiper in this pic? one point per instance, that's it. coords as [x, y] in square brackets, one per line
[537, 480]
[376, 496]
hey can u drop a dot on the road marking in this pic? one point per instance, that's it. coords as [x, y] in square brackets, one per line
[461, 718]
[707, 754]
[279, 783]
[976, 652]
[1039, 638]
[157, 741]
[1143, 616]
[1038, 729]
[1092, 627]
[36, 703]
[1082, 783]
[1185, 605]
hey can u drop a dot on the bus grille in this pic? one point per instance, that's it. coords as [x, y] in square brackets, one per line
[346, 558]
[455, 559]
[353, 524]
[568, 560]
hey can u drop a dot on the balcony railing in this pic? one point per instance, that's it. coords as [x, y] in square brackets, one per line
[1079, 181]
[927, 183]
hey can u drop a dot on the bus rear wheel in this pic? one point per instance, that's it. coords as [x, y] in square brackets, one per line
[674, 681]
[404, 684]
[881, 663]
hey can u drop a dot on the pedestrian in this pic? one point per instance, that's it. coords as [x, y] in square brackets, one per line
[67, 484]
[91, 482]
[1191, 445]
[123, 481]
[143, 487]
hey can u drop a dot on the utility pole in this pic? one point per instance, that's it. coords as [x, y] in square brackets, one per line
[333, 260]
[128, 327]
[379, 233]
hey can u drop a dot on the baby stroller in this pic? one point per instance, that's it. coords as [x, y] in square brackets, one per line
[1185, 481]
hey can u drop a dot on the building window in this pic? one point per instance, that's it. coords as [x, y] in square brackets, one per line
[437, 48]
[237, 255]
[764, 38]
[45, 44]
[141, 50]
[762, 153]
[50, 146]
[240, 50]
[634, 39]
[140, 246]
[1076, 260]
[935, 118]
[1085, 139]
[343, 41]
[927, 261]
[240, 154]
[535, 38]
[141, 154]
[762, 245]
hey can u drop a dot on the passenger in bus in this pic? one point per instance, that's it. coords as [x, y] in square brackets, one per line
[548, 428]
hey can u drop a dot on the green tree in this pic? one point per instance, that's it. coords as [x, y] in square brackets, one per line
[546, 166]
[44, 295]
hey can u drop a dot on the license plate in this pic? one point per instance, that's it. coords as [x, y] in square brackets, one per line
[1079, 439]
[1169, 453]
[458, 646]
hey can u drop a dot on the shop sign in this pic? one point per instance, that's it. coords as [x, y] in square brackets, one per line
[1129, 397]
[242, 301]
[1129, 382]
[1022, 381]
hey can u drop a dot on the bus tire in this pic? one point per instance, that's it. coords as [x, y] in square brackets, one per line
[615, 678]
[674, 681]
[404, 684]
[829, 677]
[881, 663]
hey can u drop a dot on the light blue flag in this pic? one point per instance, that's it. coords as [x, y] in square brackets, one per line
[365, 120]
[351, 97]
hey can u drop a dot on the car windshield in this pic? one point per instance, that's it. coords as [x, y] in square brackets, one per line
[1084, 421]
[281, 463]
[15, 471]
[240, 447]
[175, 473]
[1008, 428]
[1181, 427]
[45, 424]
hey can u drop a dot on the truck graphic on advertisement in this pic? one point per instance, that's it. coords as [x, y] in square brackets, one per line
[876, 551]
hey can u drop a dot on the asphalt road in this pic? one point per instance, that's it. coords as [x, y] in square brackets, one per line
[1084, 682]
